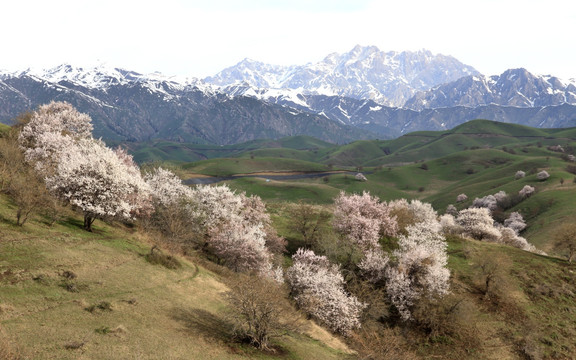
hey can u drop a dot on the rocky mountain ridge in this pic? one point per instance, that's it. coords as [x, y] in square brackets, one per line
[514, 87]
[365, 72]
[129, 106]
[138, 110]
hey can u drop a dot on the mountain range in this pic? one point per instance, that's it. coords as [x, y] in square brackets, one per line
[364, 93]
[389, 78]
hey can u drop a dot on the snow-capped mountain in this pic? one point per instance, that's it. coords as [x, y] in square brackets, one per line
[389, 78]
[514, 87]
[127, 106]
[338, 99]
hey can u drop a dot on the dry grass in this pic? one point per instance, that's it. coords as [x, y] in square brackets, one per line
[139, 310]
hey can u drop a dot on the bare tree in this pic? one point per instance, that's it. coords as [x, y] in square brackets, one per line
[19, 180]
[307, 221]
[259, 310]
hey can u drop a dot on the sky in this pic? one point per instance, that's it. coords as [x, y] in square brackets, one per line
[199, 38]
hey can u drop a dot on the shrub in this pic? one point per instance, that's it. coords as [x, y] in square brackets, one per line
[308, 221]
[565, 240]
[157, 257]
[102, 306]
[571, 169]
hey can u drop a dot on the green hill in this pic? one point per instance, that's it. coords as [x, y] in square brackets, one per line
[478, 158]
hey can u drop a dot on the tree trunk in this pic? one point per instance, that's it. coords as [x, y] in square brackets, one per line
[88, 220]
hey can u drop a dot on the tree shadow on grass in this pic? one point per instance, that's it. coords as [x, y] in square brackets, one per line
[202, 322]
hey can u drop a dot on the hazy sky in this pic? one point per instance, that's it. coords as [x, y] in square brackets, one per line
[199, 38]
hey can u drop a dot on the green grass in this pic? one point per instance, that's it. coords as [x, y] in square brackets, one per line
[227, 167]
[69, 294]
[532, 317]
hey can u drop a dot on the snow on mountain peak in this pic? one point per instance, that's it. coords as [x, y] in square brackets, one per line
[101, 77]
[389, 78]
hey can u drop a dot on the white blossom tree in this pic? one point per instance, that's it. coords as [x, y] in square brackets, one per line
[52, 129]
[91, 177]
[527, 191]
[170, 198]
[373, 265]
[81, 170]
[519, 175]
[419, 269]
[363, 219]
[166, 187]
[318, 288]
[515, 222]
[477, 223]
[413, 212]
[542, 175]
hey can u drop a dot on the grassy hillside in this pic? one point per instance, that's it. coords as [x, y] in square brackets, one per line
[186, 152]
[69, 294]
[478, 158]
[234, 166]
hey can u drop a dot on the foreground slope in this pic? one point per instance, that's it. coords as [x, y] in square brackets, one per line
[69, 294]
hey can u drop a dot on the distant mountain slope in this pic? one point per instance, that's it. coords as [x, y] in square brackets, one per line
[129, 106]
[515, 87]
[389, 78]
[389, 122]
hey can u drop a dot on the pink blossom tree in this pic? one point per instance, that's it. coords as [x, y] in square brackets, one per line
[461, 198]
[519, 175]
[542, 175]
[241, 246]
[489, 202]
[363, 219]
[515, 222]
[232, 225]
[318, 288]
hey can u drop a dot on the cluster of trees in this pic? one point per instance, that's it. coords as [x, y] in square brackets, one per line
[478, 221]
[414, 270]
[103, 183]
